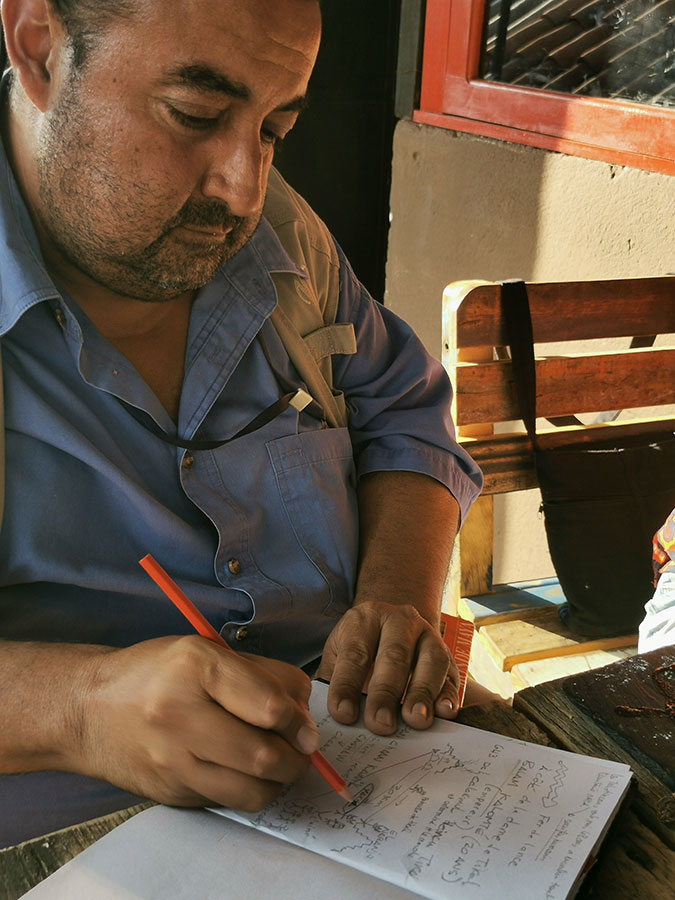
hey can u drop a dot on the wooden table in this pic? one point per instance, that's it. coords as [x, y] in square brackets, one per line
[637, 863]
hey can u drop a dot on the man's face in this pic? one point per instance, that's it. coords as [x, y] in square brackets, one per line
[152, 161]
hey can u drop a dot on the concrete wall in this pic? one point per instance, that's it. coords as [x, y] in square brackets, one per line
[469, 207]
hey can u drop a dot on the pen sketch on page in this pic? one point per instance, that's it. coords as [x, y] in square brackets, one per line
[450, 812]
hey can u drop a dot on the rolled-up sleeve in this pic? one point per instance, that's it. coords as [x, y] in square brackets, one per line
[399, 398]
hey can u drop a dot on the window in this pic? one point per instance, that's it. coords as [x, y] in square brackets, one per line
[592, 78]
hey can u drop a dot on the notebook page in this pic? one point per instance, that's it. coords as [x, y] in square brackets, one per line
[450, 812]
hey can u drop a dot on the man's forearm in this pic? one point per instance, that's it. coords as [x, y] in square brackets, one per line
[177, 719]
[408, 525]
[42, 692]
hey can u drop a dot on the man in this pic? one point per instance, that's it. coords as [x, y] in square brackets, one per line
[136, 294]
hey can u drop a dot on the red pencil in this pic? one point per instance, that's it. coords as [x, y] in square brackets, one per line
[201, 626]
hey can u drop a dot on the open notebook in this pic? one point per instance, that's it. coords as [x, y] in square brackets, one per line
[452, 812]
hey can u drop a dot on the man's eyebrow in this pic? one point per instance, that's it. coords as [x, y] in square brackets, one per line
[297, 104]
[204, 78]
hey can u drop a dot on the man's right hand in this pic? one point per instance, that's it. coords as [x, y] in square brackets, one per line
[187, 723]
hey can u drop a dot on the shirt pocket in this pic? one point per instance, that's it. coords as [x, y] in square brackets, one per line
[315, 475]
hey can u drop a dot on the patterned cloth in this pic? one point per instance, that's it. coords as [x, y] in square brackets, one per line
[663, 558]
[657, 629]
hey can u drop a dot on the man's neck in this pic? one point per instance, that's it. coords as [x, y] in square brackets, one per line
[153, 337]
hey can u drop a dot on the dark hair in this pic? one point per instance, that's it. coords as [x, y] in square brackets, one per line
[83, 21]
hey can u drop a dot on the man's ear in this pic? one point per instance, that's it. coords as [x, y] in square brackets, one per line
[34, 38]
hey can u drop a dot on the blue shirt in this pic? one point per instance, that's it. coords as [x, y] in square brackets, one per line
[262, 531]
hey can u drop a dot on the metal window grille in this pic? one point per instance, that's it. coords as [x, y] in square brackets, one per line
[623, 49]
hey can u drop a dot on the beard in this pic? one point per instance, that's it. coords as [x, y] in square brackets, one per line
[106, 216]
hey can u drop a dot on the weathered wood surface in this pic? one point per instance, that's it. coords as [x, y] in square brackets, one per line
[634, 864]
[634, 683]
[580, 310]
[503, 719]
[22, 867]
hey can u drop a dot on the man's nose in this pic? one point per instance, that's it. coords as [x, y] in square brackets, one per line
[236, 172]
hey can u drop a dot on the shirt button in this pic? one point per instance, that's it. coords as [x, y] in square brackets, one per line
[60, 316]
[241, 633]
[234, 566]
[188, 461]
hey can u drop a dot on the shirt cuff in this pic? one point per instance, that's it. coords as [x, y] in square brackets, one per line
[459, 474]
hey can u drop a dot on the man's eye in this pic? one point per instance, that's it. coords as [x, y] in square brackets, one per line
[195, 123]
[269, 137]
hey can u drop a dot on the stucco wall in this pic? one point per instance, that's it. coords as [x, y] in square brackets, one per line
[468, 207]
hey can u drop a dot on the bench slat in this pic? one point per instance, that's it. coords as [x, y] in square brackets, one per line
[567, 385]
[507, 461]
[577, 310]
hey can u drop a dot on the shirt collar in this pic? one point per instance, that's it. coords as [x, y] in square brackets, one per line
[24, 280]
[271, 252]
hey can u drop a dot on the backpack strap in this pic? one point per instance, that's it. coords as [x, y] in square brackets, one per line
[305, 313]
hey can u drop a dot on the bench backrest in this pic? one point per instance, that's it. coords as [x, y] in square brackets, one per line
[575, 379]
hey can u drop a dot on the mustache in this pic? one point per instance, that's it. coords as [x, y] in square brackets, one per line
[206, 214]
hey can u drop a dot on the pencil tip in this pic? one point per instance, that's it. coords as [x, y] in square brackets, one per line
[346, 794]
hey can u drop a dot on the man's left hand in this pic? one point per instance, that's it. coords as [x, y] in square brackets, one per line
[411, 670]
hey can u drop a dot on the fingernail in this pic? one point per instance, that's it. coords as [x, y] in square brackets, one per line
[445, 707]
[308, 739]
[346, 709]
[421, 709]
[384, 717]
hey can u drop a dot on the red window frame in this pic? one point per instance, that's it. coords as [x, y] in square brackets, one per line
[452, 96]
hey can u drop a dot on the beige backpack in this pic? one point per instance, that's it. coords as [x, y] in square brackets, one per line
[305, 314]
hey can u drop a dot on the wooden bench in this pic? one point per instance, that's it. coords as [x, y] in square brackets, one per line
[636, 371]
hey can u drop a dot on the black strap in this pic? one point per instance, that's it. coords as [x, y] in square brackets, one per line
[275, 409]
[271, 412]
[518, 324]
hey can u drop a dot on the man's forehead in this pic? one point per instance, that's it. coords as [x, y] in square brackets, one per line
[295, 17]
[212, 44]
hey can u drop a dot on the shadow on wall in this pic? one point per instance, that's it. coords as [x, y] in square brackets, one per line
[339, 154]
[458, 211]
